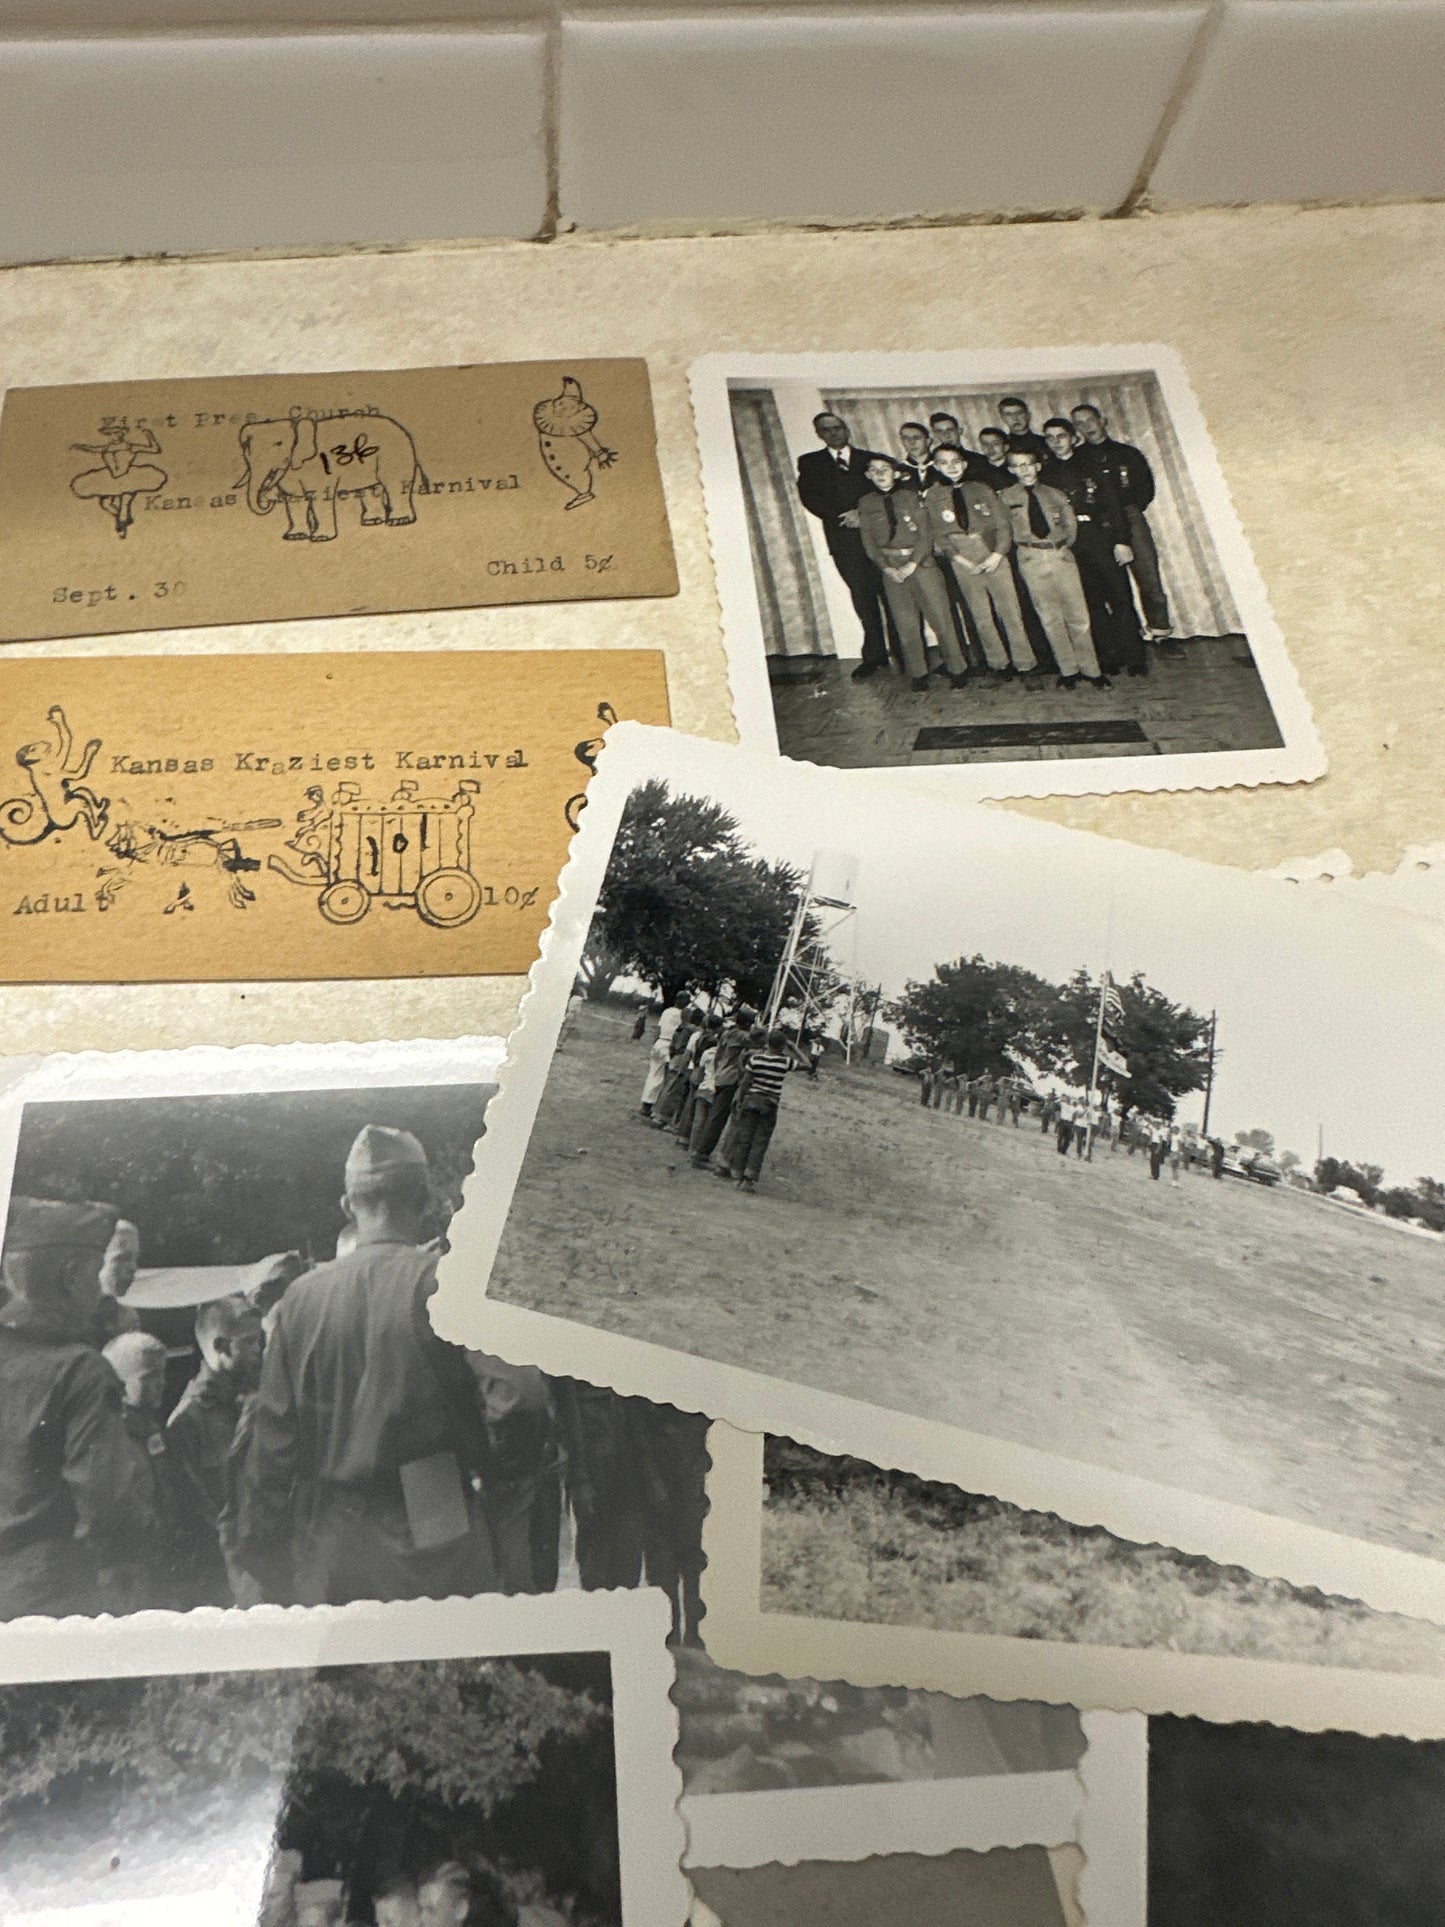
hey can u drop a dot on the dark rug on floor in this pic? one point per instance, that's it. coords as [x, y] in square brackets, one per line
[1103, 729]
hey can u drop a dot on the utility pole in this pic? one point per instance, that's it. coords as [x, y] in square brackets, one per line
[1209, 1074]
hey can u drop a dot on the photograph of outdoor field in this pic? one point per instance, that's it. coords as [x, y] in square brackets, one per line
[849, 1542]
[1071, 1145]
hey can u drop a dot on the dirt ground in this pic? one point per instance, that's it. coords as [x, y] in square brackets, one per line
[1260, 1347]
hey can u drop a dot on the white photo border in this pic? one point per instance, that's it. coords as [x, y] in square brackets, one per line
[1300, 759]
[1113, 1887]
[1117, 1679]
[787, 1825]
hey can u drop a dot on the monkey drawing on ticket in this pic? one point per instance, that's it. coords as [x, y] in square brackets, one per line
[564, 425]
[58, 799]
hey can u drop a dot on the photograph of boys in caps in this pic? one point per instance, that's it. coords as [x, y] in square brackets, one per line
[286, 1428]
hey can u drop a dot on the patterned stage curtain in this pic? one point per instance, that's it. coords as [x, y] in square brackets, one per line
[790, 593]
[1199, 597]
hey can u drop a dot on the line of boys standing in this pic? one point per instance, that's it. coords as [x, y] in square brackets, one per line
[1075, 1123]
[715, 1081]
[1029, 542]
[943, 1089]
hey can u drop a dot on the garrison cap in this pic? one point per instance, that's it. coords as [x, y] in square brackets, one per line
[40, 1224]
[379, 1149]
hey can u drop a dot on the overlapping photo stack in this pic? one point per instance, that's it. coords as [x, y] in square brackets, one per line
[906, 1387]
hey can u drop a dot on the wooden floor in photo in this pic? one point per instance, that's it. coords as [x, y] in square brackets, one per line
[1206, 698]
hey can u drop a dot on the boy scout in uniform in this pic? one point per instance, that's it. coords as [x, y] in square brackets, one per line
[898, 539]
[971, 531]
[1101, 549]
[1014, 413]
[200, 1433]
[1128, 468]
[367, 1428]
[944, 432]
[74, 1492]
[993, 471]
[1044, 532]
[149, 1577]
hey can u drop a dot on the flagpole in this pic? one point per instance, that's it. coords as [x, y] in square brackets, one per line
[1094, 1067]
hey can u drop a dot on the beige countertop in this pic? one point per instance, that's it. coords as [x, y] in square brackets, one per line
[1313, 340]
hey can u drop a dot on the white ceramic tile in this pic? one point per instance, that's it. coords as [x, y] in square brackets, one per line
[117, 146]
[20, 18]
[720, 118]
[1303, 100]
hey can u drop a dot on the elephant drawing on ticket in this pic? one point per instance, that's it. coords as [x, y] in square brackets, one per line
[308, 462]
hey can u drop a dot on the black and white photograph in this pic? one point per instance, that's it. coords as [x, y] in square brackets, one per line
[220, 1386]
[1021, 572]
[415, 1766]
[787, 1770]
[1071, 1173]
[825, 1564]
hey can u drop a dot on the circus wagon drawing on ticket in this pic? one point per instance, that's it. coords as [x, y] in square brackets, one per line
[408, 852]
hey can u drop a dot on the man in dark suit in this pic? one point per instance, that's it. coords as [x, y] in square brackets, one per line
[832, 481]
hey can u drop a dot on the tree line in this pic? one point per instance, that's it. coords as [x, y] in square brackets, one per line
[975, 1016]
[687, 904]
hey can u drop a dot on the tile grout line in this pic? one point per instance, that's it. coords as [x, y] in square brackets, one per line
[552, 129]
[1200, 49]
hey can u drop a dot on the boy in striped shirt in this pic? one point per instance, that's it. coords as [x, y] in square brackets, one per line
[755, 1109]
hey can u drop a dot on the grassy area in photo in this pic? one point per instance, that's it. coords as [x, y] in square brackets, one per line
[865, 1545]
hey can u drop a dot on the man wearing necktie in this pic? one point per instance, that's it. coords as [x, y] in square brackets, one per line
[1044, 531]
[971, 531]
[898, 537]
[832, 481]
[1101, 550]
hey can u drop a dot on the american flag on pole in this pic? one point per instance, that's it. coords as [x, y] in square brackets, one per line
[1113, 1004]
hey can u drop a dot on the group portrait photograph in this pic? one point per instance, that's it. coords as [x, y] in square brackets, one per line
[928, 570]
[219, 1384]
